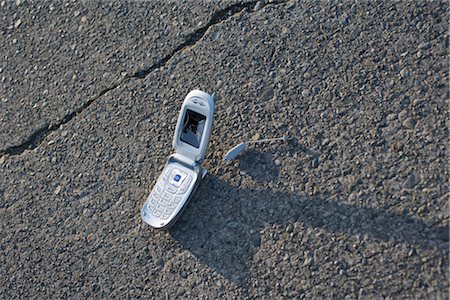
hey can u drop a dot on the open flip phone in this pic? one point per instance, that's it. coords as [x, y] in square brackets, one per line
[182, 173]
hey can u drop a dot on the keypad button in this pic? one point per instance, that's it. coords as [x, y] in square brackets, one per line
[166, 196]
[171, 189]
[184, 187]
[158, 188]
[156, 213]
[173, 204]
[175, 200]
[159, 207]
[167, 173]
[164, 201]
[156, 194]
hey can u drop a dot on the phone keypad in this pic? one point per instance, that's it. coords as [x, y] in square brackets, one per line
[168, 192]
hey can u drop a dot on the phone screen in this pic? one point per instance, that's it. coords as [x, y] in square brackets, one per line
[193, 125]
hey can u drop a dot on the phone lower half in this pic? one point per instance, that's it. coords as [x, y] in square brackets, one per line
[171, 194]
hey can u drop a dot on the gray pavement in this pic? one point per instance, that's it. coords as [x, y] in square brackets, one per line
[355, 205]
[57, 57]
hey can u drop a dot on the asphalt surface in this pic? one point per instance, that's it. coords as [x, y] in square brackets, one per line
[355, 205]
[56, 58]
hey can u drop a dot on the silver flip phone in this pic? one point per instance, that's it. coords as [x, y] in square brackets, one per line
[182, 172]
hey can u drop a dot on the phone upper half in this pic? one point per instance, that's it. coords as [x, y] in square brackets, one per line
[194, 126]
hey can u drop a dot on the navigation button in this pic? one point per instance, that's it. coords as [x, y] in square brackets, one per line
[177, 177]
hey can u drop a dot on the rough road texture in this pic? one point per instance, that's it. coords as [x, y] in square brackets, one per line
[55, 58]
[354, 206]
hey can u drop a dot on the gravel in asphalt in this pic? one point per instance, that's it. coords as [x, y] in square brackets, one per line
[56, 57]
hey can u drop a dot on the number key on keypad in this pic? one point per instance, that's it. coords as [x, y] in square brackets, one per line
[166, 196]
[166, 213]
[153, 201]
[158, 188]
[176, 200]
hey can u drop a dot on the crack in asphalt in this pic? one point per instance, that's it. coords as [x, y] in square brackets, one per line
[36, 138]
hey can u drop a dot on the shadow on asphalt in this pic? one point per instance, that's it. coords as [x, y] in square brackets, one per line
[259, 165]
[221, 226]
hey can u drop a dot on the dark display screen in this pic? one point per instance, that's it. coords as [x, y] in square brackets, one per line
[193, 126]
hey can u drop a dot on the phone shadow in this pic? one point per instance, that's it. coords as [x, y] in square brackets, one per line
[222, 224]
[259, 165]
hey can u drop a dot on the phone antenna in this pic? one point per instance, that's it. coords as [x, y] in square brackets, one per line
[236, 150]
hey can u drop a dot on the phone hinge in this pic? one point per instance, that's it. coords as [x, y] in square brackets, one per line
[183, 159]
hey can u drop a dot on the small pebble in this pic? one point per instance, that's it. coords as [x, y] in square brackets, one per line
[424, 45]
[267, 94]
[309, 258]
[402, 115]
[314, 163]
[391, 117]
[256, 137]
[410, 182]
[404, 73]
[306, 92]
[409, 123]
[258, 6]
[91, 237]
[57, 190]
